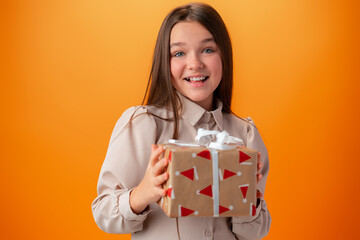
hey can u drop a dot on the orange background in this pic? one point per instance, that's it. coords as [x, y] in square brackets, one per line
[70, 68]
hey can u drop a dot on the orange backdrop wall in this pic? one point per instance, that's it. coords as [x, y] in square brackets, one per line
[70, 68]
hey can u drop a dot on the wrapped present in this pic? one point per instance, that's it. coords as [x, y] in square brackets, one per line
[218, 179]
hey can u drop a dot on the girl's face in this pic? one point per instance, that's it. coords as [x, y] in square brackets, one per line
[195, 63]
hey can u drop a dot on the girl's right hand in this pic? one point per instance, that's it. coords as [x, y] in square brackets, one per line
[150, 188]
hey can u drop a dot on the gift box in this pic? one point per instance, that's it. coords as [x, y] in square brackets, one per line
[209, 182]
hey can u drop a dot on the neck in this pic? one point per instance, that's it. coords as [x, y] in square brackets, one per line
[207, 104]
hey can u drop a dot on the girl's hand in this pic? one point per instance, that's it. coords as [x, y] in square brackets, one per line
[259, 176]
[150, 188]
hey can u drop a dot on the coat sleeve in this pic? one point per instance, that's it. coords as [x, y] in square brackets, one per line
[123, 168]
[255, 227]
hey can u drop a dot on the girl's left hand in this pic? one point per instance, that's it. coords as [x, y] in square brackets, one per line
[259, 176]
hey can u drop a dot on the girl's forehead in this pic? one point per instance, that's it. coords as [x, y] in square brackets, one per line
[189, 30]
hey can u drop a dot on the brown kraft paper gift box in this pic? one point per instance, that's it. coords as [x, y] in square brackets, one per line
[208, 182]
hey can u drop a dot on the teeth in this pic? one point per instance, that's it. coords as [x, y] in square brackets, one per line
[196, 78]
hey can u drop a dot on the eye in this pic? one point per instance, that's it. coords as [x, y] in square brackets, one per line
[178, 54]
[208, 50]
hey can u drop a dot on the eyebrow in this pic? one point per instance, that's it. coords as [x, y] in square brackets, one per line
[211, 39]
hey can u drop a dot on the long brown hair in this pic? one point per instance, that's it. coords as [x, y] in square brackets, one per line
[160, 91]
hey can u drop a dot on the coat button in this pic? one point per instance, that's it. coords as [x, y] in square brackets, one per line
[207, 116]
[207, 233]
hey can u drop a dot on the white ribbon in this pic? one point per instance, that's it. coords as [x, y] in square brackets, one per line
[183, 144]
[215, 165]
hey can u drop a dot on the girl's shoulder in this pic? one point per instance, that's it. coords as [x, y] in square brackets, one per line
[133, 112]
[140, 110]
[132, 115]
[134, 119]
[142, 114]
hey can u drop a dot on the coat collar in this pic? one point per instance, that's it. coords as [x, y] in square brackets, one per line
[192, 113]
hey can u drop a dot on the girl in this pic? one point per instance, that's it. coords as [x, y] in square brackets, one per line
[190, 88]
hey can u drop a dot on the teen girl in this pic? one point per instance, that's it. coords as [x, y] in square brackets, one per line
[190, 88]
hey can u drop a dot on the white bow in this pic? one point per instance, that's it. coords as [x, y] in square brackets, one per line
[205, 138]
[223, 139]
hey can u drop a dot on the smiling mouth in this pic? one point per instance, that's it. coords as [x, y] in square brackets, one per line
[196, 79]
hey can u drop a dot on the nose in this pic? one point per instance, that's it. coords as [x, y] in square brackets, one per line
[195, 62]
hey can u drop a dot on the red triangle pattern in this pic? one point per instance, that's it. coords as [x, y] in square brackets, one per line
[223, 209]
[170, 156]
[189, 173]
[207, 191]
[168, 192]
[205, 154]
[253, 209]
[243, 157]
[244, 190]
[186, 212]
[228, 174]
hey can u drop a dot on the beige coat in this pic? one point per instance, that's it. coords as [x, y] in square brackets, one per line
[126, 162]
